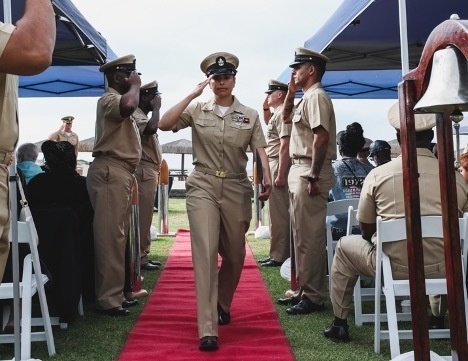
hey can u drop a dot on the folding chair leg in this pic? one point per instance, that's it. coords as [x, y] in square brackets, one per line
[392, 325]
[26, 306]
[358, 303]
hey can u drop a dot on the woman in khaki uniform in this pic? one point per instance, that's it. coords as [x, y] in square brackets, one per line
[218, 191]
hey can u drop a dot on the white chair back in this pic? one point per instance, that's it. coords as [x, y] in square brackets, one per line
[391, 231]
[334, 208]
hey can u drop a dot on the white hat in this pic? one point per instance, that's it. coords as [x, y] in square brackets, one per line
[421, 121]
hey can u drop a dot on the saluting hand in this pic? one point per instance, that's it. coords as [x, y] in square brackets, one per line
[200, 86]
[134, 79]
[292, 87]
[156, 102]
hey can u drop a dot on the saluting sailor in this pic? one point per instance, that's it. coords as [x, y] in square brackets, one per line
[117, 152]
[65, 134]
[219, 193]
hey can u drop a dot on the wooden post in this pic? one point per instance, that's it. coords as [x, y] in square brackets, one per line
[413, 222]
[453, 33]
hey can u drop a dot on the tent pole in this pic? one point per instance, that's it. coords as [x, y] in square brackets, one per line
[403, 37]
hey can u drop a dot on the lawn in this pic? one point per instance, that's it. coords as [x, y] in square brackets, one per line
[99, 337]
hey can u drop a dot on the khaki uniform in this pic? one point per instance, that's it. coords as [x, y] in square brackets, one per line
[147, 175]
[8, 141]
[279, 196]
[117, 152]
[219, 209]
[309, 213]
[71, 137]
[382, 195]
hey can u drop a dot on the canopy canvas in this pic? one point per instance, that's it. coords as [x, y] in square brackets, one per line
[362, 40]
[79, 51]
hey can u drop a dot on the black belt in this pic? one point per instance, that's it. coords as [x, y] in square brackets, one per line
[220, 173]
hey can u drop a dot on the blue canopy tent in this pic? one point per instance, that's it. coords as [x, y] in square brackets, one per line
[79, 51]
[362, 39]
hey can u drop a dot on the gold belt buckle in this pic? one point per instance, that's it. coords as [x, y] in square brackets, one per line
[12, 157]
[220, 174]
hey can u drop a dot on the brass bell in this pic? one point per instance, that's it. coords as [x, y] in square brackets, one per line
[448, 85]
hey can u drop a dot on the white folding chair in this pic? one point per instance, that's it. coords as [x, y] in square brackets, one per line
[360, 293]
[334, 208]
[32, 282]
[391, 231]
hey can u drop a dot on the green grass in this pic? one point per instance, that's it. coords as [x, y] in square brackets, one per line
[99, 337]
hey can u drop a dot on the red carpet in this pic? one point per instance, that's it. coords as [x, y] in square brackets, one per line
[167, 327]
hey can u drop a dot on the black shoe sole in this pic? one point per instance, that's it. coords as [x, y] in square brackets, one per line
[208, 345]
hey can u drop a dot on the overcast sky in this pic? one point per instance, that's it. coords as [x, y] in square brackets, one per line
[170, 38]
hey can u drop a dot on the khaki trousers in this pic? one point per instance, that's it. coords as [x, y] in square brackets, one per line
[354, 256]
[278, 206]
[4, 218]
[308, 224]
[147, 177]
[110, 188]
[219, 212]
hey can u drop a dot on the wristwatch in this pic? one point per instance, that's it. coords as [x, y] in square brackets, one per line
[313, 179]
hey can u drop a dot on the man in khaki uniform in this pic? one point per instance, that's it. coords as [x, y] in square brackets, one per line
[65, 134]
[312, 149]
[219, 193]
[117, 152]
[25, 49]
[147, 172]
[278, 156]
[382, 195]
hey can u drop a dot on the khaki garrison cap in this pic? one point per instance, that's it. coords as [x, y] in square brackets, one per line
[68, 119]
[303, 55]
[421, 121]
[125, 63]
[276, 85]
[150, 88]
[220, 63]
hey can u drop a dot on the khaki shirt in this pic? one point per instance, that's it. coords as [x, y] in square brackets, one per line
[314, 109]
[220, 141]
[277, 129]
[151, 152]
[64, 137]
[9, 129]
[116, 137]
[382, 195]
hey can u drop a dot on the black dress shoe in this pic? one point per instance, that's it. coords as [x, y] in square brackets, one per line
[264, 260]
[129, 303]
[271, 263]
[304, 307]
[149, 267]
[115, 312]
[436, 323]
[337, 333]
[208, 343]
[288, 301]
[156, 263]
[224, 318]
